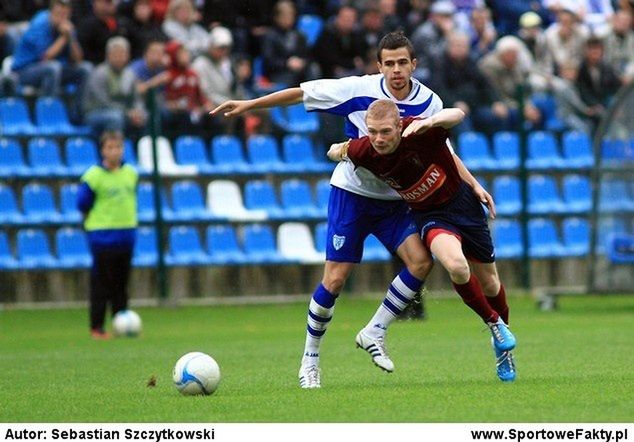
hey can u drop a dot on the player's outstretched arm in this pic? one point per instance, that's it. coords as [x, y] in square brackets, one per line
[446, 118]
[338, 151]
[284, 97]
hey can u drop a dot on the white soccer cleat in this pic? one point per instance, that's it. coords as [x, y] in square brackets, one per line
[376, 348]
[309, 376]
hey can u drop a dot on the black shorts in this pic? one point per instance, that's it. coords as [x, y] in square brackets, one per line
[464, 217]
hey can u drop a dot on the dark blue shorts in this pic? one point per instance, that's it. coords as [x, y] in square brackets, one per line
[352, 217]
[463, 216]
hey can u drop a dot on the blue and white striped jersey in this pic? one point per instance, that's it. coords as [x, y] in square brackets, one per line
[350, 98]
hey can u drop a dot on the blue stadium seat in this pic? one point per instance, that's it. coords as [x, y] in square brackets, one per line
[191, 150]
[129, 153]
[374, 250]
[311, 26]
[621, 249]
[227, 155]
[543, 196]
[577, 193]
[576, 235]
[260, 195]
[185, 247]
[297, 199]
[507, 237]
[295, 119]
[506, 150]
[613, 151]
[323, 196]
[222, 245]
[45, 158]
[7, 261]
[34, 251]
[145, 248]
[548, 107]
[263, 154]
[52, 118]
[68, 203]
[507, 195]
[607, 227]
[15, 119]
[321, 236]
[81, 153]
[474, 151]
[9, 212]
[259, 245]
[543, 152]
[188, 203]
[577, 150]
[145, 203]
[12, 162]
[543, 239]
[38, 204]
[299, 155]
[72, 248]
[615, 196]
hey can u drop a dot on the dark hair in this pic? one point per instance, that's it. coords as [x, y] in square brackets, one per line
[594, 41]
[395, 40]
[108, 135]
[59, 2]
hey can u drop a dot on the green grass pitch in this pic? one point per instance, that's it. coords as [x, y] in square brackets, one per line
[574, 365]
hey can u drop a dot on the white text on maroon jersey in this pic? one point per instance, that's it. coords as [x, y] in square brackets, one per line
[432, 179]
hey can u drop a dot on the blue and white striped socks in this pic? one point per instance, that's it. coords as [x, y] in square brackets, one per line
[399, 295]
[320, 311]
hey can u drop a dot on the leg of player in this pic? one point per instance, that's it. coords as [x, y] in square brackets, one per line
[447, 247]
[320, 311]
[408, 282]
[496, 296]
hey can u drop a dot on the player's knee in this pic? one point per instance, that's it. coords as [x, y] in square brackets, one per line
[334, 284]
[490, 285]
[458, 269]
[421, 267]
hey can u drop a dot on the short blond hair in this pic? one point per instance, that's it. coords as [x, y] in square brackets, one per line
[383, 109]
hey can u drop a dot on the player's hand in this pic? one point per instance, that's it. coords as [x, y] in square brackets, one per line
[417, 127]
[232, 108]
[485, 198]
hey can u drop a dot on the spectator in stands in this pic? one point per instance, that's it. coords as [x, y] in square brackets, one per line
[456, 78]
[594, 15]
[150, 71]
[507, 13]
[597, 81]
[565, 39]
[571, 109]
[463, 17]
[483, 33]
[619, 46]
[181, 25]
[220, 78]
[534, 38]
[507, 67]
[96, 29]
[430, 38]
[144, 26]
[111, 101]
[391, 21]
[185, 106]
[285, 53]
[107, 198]
[48, 55]
[340, 48]
[417, 14]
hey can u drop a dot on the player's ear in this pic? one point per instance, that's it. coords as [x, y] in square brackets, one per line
[414, 61]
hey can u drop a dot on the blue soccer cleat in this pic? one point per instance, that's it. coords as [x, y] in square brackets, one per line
[503, 339]
[504, 364]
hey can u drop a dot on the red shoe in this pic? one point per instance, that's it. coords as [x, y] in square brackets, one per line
[99, 334]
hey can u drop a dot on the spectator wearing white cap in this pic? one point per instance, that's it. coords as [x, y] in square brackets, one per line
[532, 35]
[430, 38]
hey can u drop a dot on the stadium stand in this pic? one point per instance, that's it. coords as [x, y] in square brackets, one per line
[507, 235]
[34, 251]
[72, 248]
[475, 152]
[228, 156]
[52, 119]
[543, 196]
[15, 119]
[543, 152]
[223, 247]
[185, 248]
[188, 203]
[7, 261]
[295, 243]
[299, 155]
[543, 240]
[12, 162]
[297, 199]
[45, 158]
[224, 200]
[9, 211]
[263, 155]
[191, 151]
[145, 247]
[506, 150]
[80, 153]
[259, 195]
[506, 191]
[259, 245]
[38, 204]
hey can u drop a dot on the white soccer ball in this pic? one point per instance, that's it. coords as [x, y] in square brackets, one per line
[126, 323]
[196, 373]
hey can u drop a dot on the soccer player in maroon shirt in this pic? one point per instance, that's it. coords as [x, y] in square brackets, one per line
[412, 156]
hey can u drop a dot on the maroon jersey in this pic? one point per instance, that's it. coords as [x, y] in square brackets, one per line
[421, 169]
